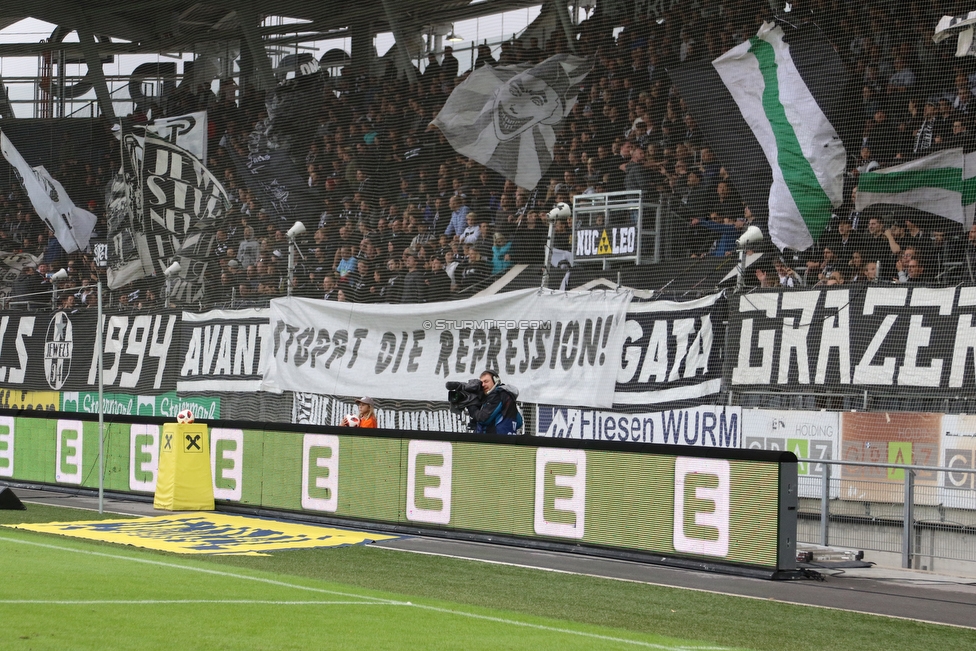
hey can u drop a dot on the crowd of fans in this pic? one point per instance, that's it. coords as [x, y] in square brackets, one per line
[403, 218]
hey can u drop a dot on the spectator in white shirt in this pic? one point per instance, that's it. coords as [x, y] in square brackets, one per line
[472, 233]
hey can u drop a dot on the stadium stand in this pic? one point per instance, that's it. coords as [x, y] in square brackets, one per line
[400, 217]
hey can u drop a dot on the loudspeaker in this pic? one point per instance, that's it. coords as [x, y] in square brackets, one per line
[10, 502]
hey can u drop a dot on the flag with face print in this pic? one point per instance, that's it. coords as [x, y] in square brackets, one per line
[505, 117]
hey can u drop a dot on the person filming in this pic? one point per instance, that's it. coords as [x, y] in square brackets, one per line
[497, 412]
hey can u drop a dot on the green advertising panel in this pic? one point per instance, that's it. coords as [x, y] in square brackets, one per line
[726, 510]
[166, 405]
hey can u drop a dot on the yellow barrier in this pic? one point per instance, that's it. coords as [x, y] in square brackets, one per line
[184, 482]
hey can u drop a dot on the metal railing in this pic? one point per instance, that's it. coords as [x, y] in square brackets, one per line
[926, 514]
[24, 92]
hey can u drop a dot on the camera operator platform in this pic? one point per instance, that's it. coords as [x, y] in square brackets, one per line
[490, 404]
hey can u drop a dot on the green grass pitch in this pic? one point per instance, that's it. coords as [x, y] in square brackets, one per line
[60, 593]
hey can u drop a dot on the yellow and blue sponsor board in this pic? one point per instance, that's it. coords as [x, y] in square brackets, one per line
[208, 533]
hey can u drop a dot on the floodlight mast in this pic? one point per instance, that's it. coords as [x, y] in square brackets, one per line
[296, 229]
[749, 236]
[560, 210]
[56, 277]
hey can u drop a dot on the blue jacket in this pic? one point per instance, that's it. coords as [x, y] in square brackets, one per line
[459, 221]
[729, 234]
[498, 262]
[498, 413]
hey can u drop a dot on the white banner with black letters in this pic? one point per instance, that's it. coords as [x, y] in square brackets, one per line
[671, 351]
[555, 347]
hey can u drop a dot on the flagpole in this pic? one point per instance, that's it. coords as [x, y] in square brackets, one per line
[548, 256]
[296, 229]
[291, 265]
[101, 406]
[740, 284]
[562, 12]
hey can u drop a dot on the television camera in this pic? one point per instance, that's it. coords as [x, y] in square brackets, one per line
[460, 395]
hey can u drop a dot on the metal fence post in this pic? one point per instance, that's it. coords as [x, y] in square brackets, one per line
[908, 528]
[825, 504]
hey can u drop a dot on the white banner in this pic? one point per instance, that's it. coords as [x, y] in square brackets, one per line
[556, 347]
[188, 131]
[707, 427]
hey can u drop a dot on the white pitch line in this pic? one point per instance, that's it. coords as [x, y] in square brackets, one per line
[156, 602]
[377, 600]
[664, 585]
[554, 629]
[202, 570]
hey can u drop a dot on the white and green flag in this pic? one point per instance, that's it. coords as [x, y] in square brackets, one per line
[769, 108]
[942, 184]
[805, 153]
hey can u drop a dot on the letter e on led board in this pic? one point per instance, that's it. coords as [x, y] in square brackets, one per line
[571, 508]
[320, 472]
[434, 505]
[701, 506]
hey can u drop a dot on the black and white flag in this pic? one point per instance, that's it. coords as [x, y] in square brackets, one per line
[182, 201]
[71, 225]
[128, 258]
[274, 179]
[961, 26]
[127, 245]
[168, 196]
[504, 117]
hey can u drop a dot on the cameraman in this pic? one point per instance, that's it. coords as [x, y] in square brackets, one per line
[497, 412]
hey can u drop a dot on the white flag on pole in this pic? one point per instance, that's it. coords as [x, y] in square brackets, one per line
[71, 225]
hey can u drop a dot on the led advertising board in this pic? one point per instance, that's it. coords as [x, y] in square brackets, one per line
[711, 506]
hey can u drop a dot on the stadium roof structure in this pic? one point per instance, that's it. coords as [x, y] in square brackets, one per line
[144, 26]
[108, 27]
